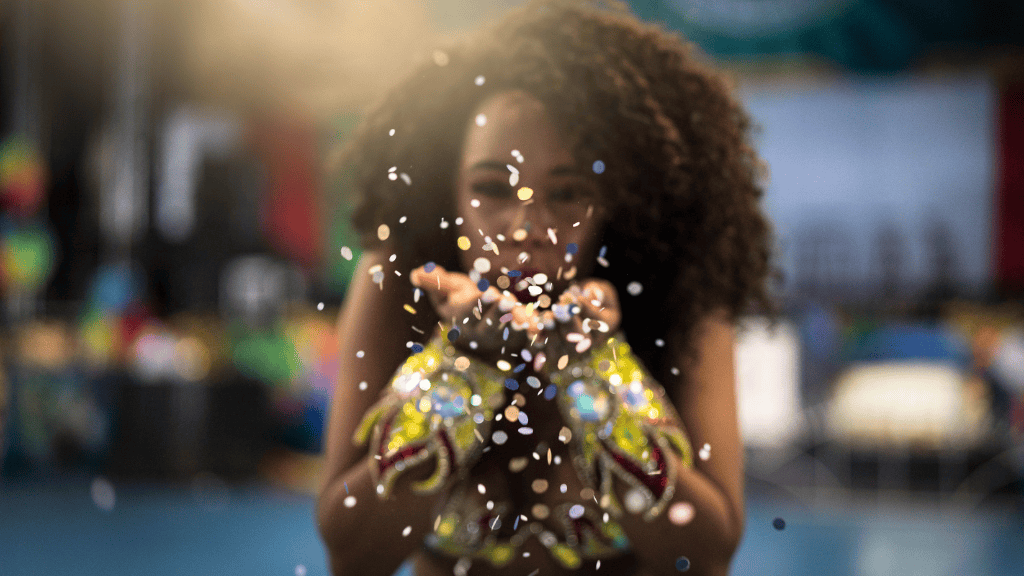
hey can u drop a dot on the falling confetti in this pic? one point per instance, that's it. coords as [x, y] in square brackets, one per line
[391, 132]
[779, 524]
[705, 452]
[598, 167]
[300, 570]
[474, 203]
[481, 119]
[682, 563]
[525, 193]
[464, 243]
[383, 231]
[499, 437]
[576, 511]
[350, 501]
[479, 81]
[406, 531]
[634, 288]
[320, 306]
[482, 265]
[103, 495]
[346, 252]
[681, 513]
[409, 309]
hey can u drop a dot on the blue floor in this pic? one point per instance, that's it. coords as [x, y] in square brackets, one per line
[54, 529]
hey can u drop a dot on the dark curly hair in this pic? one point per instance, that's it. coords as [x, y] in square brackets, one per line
[681, 176]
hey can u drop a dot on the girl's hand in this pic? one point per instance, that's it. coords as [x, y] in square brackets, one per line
[585, 316]
[476, 314]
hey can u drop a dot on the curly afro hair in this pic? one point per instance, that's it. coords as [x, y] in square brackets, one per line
[680, 173]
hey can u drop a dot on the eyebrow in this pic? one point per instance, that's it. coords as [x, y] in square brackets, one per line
[561, 170]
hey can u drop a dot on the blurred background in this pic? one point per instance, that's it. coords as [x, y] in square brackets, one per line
[174, 248]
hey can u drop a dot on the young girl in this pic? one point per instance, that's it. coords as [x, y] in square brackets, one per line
[562, 225]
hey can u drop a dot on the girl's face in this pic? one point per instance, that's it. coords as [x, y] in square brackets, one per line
[520, 186]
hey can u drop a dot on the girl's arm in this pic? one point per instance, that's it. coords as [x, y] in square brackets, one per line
[714, 487]
[367, 537]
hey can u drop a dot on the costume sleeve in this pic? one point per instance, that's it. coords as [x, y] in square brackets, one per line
[439, 403]
[624, 426]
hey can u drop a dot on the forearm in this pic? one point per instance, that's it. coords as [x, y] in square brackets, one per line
[368, 538]
[708, 540]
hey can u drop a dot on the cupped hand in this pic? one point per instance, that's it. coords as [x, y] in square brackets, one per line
[479, 316]
[584, 317]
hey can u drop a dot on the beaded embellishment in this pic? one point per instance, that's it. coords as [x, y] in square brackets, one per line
[437, 404]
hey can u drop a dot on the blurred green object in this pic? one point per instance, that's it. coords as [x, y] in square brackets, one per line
[265, 355]
[860, 35]
[27, 256]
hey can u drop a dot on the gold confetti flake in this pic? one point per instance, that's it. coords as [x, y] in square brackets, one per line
[464, 243]
[539, 485]
[519, 235]
[383, 231]
[409, 309]
[525, 193]
[563, 362]
[462, 363]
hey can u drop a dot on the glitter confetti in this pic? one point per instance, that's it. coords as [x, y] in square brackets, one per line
[659, 343]
[103, 495]
[383, 231]
[681, 513]
[482, 265]
[525, 193]
[540, 511]
[503, 365]
[360, 354]
[346, 252]
[576, 511]
[300, 570]
[444, 224]
[598, 167]
[682, 563]
[362, 385]
[402, 220]
[320, 306]
[479, 81]
[474, 203]
[481, 488]
[350, 501]
[481, 119]
[391, 132]
[409, 309]
[563, 488]
[634, 288]
[564, 435]
[499, 437]
[392, 176]
[519, 235]
[516, 465]
[406, 531]
[464, 242]
[458, 221]
[705, 452]
[551, 236]
[539, 486]
[563, 362]
[779, 524]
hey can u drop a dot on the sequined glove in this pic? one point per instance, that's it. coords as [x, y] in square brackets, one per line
[440, 404]
[622, 425]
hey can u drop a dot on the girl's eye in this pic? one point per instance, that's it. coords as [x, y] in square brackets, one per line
[569, 193]
[492, 189]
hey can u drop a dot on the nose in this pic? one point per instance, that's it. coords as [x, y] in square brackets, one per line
[532, 216]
